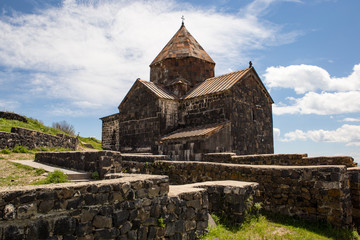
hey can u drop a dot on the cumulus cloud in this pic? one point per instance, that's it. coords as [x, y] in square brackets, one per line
[349, 134]
[305, 78]
[321, 93]
[88, 53]
[276, 132]
[323, 103]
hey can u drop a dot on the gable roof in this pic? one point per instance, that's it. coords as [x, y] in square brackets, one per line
[202, 131]
[181, 45]
[157, 91]
[223, 83]
[217, 84]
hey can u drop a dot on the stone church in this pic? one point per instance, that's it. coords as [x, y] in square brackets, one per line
[185, 111]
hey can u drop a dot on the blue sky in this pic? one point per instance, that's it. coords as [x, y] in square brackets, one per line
[76, 60]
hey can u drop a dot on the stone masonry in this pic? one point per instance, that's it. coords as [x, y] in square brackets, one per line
[34, 139]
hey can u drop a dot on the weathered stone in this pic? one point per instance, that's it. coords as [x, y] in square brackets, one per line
[26, 211]
[46, 205]
[9, 212]
[65, 226]
[102, 222]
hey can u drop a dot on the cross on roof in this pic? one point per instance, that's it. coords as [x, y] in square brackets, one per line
[183, 19]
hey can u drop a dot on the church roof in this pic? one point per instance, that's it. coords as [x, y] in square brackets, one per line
[158, 91]
[217, 84]
[201, 131]
[181, 45]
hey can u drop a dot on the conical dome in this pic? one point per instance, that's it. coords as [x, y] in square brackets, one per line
[182, 45]
[181, 59]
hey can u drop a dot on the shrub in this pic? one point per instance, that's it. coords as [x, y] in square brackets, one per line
[54, 177]
[5, 151]
[65, 127]
[20, 149]
[95, 175]
[39, 171]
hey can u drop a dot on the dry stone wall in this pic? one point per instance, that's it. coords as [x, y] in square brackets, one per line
[34, 139]
[354, 177]
[129, 207]
[100, 161]
[13, 116]
[278, 159]
[310, 192]
[125, 208]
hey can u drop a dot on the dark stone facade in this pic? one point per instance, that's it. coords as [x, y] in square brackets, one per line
[173, 114]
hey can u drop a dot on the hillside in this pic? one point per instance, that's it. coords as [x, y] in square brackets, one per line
[33, 124]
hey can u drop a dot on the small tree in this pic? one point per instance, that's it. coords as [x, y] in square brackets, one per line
[65, 127]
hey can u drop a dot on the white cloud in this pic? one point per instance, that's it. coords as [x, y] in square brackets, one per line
[276, 132]
[305, 78]
[321, 103]
[321, 93]
[89, 53]
[351, 120]
[349, 134]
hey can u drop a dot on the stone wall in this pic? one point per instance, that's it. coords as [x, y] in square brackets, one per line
[310, 192]
[110, 132]
[13, 116]
[100, 161]
[191, 69]
[192, 148]
[354, 177]
[130, 207]
[278, 159]
[34, 139]
[214, 108]
[251, 115]
[125, 208]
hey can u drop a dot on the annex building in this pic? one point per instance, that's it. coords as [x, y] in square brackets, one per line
[185, 111]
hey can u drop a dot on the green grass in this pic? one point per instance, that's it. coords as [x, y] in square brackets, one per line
[271, 226]
[92, 141]
[6, 125]
[19, 165]
[54, 177]
[33, 124]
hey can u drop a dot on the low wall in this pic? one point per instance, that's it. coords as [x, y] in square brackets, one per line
[354, 177]
[310, 192]
[278, 159]
[13, 116]
[100, 161]
[34, 139]
[126, 208]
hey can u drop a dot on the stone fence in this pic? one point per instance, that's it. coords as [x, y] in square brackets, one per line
[310, 192]
[130, 207]
[13, 116]
[278, 159]
[324, 192]
[34, 139]
[100, 161]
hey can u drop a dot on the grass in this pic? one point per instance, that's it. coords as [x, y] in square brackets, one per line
[15, 174]
[275, 226]
[54, 177]
[6, 125]
[95, 143]
[33, 124]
